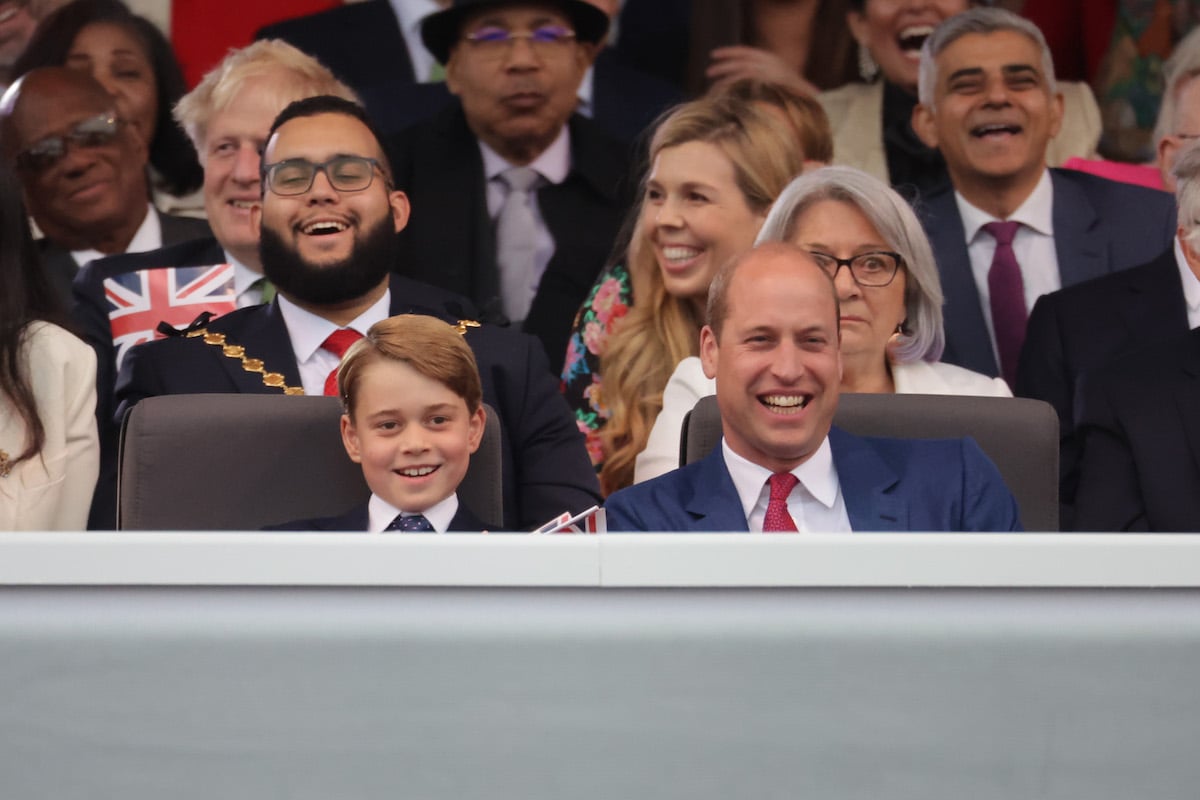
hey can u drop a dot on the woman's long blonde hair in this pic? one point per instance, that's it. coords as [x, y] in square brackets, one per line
[660, 329]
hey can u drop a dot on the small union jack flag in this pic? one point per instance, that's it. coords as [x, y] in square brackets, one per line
[138, 301]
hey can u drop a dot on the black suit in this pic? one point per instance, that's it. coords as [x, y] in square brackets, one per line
[545, 465]
[61, 267]
[1139, 419]
[1100, 226]
[1082, 327]
[362, 44]
[449, 241]
[356, 519]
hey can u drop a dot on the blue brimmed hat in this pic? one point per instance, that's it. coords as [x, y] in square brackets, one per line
[440, 31]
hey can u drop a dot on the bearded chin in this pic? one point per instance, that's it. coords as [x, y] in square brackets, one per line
[373, 257]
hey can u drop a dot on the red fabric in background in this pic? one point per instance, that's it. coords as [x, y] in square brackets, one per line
[1078, 32]
[202, 31]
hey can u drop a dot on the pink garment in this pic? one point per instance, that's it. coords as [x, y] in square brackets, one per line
[1136, 174]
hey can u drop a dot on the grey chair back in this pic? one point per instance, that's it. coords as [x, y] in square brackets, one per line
[1020, 435]
[242, 461]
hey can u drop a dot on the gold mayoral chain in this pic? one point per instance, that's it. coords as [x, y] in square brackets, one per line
[274, 380]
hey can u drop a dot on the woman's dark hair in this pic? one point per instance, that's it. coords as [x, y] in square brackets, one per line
[27, 296]
[171, 152]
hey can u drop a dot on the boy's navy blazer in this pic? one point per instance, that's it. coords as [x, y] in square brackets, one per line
[356, 520]
[545, 464]
[887, 485]
[1100, 226]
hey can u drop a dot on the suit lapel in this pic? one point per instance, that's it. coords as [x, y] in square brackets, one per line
[1187, 399]
[466, 522]
[1082, 254]
[713, 497]
[968, 342]
[263, 333]
[866, 482]
[1152, 306]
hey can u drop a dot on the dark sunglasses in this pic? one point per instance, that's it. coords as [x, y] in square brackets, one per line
[96, 131]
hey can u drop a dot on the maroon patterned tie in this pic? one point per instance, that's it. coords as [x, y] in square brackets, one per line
[1006, 291]
[338, 343]
[778, 520]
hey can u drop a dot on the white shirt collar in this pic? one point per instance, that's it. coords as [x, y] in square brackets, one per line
[147, 237]
[307, 330]
[553, 164]
[410, 14]
[380, 513]
[817, 474]
[243, 276]
[1037, 212]
[1191, 286]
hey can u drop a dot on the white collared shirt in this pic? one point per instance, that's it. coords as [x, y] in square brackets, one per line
[816, 504]
[552, 165]
[307, 331]
[1191, 286]
[410, 14]
[1033, 247]
[380, 513]
[244, 279]
[147, 237]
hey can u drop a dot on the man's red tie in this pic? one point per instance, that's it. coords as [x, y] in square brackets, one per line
[338, 343]
[1006, 293]
[778, 520]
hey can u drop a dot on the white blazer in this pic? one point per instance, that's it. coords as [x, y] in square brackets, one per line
[53, 489]
[688, 384]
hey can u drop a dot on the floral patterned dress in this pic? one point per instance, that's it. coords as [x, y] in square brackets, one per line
[608, 302]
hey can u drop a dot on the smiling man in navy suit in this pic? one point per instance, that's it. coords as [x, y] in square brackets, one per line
[1011, 230]
[772, 344]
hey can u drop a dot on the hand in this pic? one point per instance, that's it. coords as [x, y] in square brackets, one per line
[729, 64]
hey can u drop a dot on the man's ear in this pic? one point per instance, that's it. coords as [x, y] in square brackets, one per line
[1056, 113]
[256, 213]
[451, 68]
[924, 125]
[709, 351]
[475, 428]
[350, 439]
[401, 209]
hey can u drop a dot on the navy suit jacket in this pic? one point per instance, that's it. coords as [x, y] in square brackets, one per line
[450, 241]
[362, 44]
[356, 520]
[1082, 327]
[887, 485]
[544, 462]
[1100, 226]
[1139, 421]
[61, 267]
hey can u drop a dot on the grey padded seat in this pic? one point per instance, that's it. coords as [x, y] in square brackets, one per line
[1020, 435]
[243, 461]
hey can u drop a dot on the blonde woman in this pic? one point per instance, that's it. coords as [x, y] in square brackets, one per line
[716, 165]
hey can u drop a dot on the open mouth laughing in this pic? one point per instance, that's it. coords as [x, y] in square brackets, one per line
[785, 403]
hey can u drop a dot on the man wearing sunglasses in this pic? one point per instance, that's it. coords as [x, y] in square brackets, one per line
[327, 240]
[516, 197]
[83, 172]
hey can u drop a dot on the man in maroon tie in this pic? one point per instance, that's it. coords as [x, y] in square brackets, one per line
[1010, 229]
[772, 344]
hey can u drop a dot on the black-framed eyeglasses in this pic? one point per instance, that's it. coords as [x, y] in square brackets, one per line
[94, 131]
[494, 42]
[876, 268]
[296, 175]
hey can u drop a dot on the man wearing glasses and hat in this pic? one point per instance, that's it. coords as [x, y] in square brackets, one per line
[516, 200]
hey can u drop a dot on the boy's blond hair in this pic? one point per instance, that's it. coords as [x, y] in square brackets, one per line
[432, 347]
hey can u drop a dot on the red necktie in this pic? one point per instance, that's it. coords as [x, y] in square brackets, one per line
[778, 520]
[1006, 292]
[338, 343]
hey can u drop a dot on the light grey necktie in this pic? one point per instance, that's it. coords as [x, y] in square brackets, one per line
[516, 242]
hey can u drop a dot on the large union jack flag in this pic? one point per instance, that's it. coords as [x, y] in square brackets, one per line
[138, 301]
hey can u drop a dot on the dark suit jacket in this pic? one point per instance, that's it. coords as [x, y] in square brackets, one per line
[356, 520]
[1100, 226]
[545, 465]
[1139, 421]
[1083, 327]
[887, 485]
[61, 267]
[362, 44]
[449, 241]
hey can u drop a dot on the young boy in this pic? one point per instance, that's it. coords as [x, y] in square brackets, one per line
[413, 416]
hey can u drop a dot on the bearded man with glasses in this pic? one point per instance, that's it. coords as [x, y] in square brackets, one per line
[83, 172]
[327, 229]
[517, 198]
